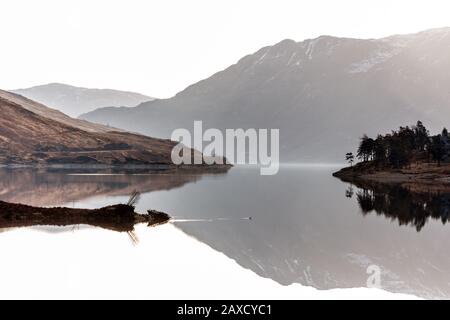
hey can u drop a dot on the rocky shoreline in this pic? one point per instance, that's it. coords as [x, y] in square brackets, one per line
[420, 177]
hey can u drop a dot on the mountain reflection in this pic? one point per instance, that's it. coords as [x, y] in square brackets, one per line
[408, 204]
[52, 187]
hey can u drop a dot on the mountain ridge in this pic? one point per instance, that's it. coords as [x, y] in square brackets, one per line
[321, 93]
[74, 101]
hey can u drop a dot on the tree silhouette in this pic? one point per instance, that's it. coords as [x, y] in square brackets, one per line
[366, 148]
[350, 158]
[380, 150]
[437, 148]
[421, 136]
[403, 146]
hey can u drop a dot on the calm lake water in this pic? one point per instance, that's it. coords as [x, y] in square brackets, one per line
[306, 228]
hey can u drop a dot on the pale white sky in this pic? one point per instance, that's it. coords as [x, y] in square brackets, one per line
[160, 47]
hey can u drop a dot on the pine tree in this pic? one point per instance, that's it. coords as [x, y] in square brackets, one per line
[350, 158]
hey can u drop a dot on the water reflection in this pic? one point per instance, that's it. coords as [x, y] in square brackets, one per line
[303, 229]
[408, 204]
[52, 187]
[26, 192]
[119, 217]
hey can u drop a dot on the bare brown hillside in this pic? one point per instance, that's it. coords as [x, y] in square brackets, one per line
[53, 114]
[29, 138]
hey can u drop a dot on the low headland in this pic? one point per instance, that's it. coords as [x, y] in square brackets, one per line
[409, 155]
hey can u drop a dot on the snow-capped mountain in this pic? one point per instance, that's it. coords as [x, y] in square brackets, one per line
[322, 93]
[74, 101]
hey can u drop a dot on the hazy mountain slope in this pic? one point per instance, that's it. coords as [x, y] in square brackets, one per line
[29, 138]
[322, 93]
[74, 101]
[53, 114]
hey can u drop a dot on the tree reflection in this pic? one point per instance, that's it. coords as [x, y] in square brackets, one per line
[402, 204]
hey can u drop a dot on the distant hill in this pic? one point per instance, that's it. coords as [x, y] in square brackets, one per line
[53, 114]
[322, 94]
[74, 101]
[27, 137]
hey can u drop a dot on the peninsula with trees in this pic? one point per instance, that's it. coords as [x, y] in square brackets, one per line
[409, 154]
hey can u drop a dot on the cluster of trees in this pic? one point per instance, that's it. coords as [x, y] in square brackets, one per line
[399, 148]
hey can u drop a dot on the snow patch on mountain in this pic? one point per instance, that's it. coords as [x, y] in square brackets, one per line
[311, 46]
[373, 60]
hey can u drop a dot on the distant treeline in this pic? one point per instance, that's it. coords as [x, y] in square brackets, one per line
[402, 147]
